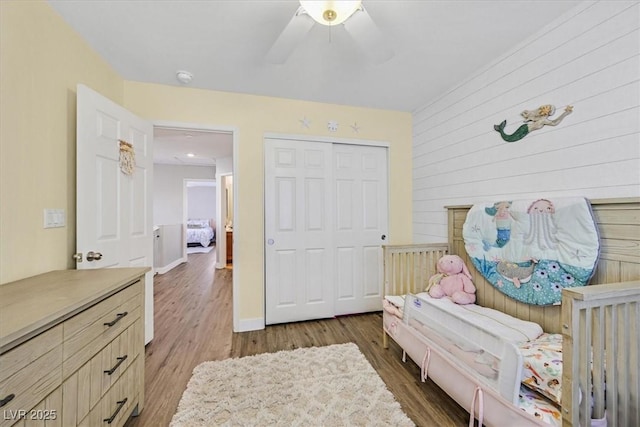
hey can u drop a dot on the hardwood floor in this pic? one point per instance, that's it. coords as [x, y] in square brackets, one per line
[193, 324]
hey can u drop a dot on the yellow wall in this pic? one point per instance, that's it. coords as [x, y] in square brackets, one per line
[41, 61]
[253, 116]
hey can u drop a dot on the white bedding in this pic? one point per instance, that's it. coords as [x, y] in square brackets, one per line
[202, 235]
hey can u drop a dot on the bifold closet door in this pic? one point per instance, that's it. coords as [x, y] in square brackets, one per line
[298, 231]
[326, 217]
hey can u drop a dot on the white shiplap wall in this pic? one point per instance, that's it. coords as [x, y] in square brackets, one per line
[588, 58]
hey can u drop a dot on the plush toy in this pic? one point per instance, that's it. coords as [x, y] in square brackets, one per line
[453, 280]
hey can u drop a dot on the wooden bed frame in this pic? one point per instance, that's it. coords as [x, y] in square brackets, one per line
[600, 320]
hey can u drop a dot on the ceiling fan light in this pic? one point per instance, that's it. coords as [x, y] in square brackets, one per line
[330, 12]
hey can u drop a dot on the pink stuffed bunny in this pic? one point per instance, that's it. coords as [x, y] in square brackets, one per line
[454, 281]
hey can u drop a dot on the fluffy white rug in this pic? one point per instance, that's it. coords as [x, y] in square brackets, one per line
[317, 386]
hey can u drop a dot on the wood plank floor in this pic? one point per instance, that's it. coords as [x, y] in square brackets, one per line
[193, 324]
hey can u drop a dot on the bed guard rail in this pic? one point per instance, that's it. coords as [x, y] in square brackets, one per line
[407, 268]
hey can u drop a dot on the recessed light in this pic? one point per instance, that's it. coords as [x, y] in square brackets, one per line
[190, 155]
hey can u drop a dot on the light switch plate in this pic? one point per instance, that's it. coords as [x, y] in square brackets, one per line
[54, 218]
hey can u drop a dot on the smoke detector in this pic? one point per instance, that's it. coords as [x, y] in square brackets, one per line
[184, 77]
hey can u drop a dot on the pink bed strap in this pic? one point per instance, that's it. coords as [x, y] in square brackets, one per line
[477, 393]
[424, 367]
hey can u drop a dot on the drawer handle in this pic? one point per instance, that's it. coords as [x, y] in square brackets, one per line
[118, 318]
[117, 365]
[121, 404]
[7, 400]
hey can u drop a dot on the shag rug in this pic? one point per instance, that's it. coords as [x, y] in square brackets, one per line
[316, 386]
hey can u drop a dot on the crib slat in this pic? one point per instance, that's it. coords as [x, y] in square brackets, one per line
[612, 365]
[585, 366]
[635, 361]
[598, 350]
[623, 352]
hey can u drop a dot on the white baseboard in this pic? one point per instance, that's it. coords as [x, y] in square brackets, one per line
[174, 264]
[246, 325]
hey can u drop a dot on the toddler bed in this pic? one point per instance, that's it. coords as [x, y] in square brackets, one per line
[495, 375]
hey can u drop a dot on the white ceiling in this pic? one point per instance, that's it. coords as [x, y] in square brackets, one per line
[172, 146]
[436, 45]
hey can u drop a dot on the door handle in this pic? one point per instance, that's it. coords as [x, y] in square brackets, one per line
[94, 256]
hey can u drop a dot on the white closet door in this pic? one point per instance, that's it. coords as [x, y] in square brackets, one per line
[361, 226]
[298, 225]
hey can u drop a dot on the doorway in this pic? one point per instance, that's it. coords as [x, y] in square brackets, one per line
[186, 152]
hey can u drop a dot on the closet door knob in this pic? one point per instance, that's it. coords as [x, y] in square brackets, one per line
[383, 237]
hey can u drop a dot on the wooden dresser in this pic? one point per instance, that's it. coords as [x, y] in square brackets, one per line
[72, 348]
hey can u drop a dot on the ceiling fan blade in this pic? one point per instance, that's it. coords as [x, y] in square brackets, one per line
[290, 37]
[366, 34]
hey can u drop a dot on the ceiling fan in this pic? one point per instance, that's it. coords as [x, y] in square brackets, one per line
[351, 14]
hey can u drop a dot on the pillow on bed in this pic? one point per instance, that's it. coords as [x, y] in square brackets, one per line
[197, 223]
[542, 370]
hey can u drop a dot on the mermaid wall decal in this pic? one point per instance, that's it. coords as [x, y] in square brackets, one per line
[533, 120]
[502, 216]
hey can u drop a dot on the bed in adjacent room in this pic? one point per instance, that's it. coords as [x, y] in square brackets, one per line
[200, 232]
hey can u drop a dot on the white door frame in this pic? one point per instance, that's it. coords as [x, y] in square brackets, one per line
[221, 210]
[330, 140]
[185, 209]
[236, 229]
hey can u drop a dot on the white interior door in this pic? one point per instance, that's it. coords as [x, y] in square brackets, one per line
[298, 224]
[361, 221]
[114, 210]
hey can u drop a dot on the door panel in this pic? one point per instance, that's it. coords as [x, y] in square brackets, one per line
[345, 262]
[297, 231]
[114, 210]
[361, 216]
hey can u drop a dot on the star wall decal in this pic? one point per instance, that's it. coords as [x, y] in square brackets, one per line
[305, 122]
[355, 127]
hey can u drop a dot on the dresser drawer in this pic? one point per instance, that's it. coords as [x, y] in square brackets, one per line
[21, 356]
[92, 322]
[90, 331]
[116, 406]
[111, 362]
[77, 354]
[34, 378]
